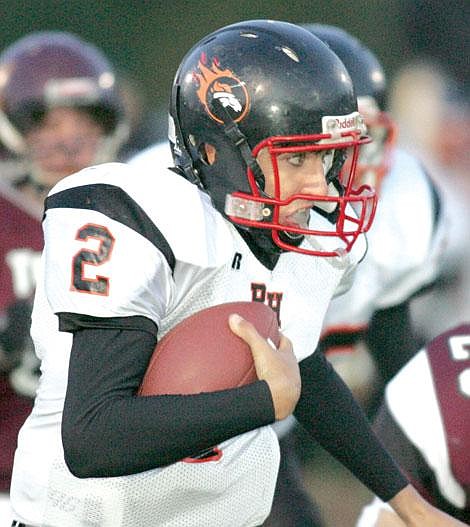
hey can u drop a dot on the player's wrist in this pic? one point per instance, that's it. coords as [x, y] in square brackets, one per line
[410, 506]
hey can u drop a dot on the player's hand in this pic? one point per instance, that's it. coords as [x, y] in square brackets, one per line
[278, 368]
[415, 511]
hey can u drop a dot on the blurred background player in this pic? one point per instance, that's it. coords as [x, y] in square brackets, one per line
[406, 244]
[430, 98]
[423, 421]
[60, 108]
[60, 111]
[20, 246]
[368, 334]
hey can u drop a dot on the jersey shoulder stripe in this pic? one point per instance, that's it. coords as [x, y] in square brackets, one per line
[113, 202]
[70, 322]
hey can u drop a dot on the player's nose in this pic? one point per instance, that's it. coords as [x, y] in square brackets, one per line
[313, 179]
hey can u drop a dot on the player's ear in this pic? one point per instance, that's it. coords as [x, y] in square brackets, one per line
[208, 153]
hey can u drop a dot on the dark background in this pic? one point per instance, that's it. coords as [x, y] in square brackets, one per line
[147, 39]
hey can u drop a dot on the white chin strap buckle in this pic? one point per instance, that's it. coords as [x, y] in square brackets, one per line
[246, 209]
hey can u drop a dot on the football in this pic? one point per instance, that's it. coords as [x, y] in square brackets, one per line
[202, 354]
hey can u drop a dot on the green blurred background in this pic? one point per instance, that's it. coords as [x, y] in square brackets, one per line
[147, 39]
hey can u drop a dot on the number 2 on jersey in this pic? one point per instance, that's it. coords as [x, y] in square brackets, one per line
[99, 285]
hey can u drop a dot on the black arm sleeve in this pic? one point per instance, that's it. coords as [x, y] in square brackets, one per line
[391, 339]
[328, 411]
[404, 452]
[107, 430]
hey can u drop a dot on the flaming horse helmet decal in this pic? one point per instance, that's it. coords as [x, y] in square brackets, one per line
[222, 85]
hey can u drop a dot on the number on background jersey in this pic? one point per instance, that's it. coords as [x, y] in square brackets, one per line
[459, 346]
[99, 285]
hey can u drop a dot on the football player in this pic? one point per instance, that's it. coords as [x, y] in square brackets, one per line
[405, 251]
[256, 209]
[60, 108]
[427, 428]
[60, 111]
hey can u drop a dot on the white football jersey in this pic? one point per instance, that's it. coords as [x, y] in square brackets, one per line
[404, 247]
[163, 252]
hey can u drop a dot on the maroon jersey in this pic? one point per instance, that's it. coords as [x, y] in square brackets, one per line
[449, 358]
[20, 246]
[424, 422]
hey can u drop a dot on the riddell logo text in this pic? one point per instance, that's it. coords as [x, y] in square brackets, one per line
[347, 122]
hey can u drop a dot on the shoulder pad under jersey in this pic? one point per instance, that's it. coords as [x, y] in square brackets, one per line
[195, 231]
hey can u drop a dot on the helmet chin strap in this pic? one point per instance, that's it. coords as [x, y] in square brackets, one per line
[262, 243]
[238, 138]
[293, 238]
[37, 179]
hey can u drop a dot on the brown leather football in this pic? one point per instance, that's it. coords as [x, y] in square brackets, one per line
[202, 354]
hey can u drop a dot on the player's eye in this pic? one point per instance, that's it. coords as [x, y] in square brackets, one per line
[296, 159]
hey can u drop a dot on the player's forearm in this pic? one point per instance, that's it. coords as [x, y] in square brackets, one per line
[327, 409]
[109, 431]
[131, 435]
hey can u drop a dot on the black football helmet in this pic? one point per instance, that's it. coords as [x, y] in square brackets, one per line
[269, 84]
[52, 68]
[370, 85]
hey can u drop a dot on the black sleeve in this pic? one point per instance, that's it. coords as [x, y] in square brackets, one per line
[327, 409]
[107, 430]
[404, 452]
[391, 339]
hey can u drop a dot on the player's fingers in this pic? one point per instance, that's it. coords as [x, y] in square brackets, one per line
[245, 330]
[278, 368]
[285, 345]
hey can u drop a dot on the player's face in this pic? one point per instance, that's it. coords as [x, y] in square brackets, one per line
[63, 142]
[299, 173]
